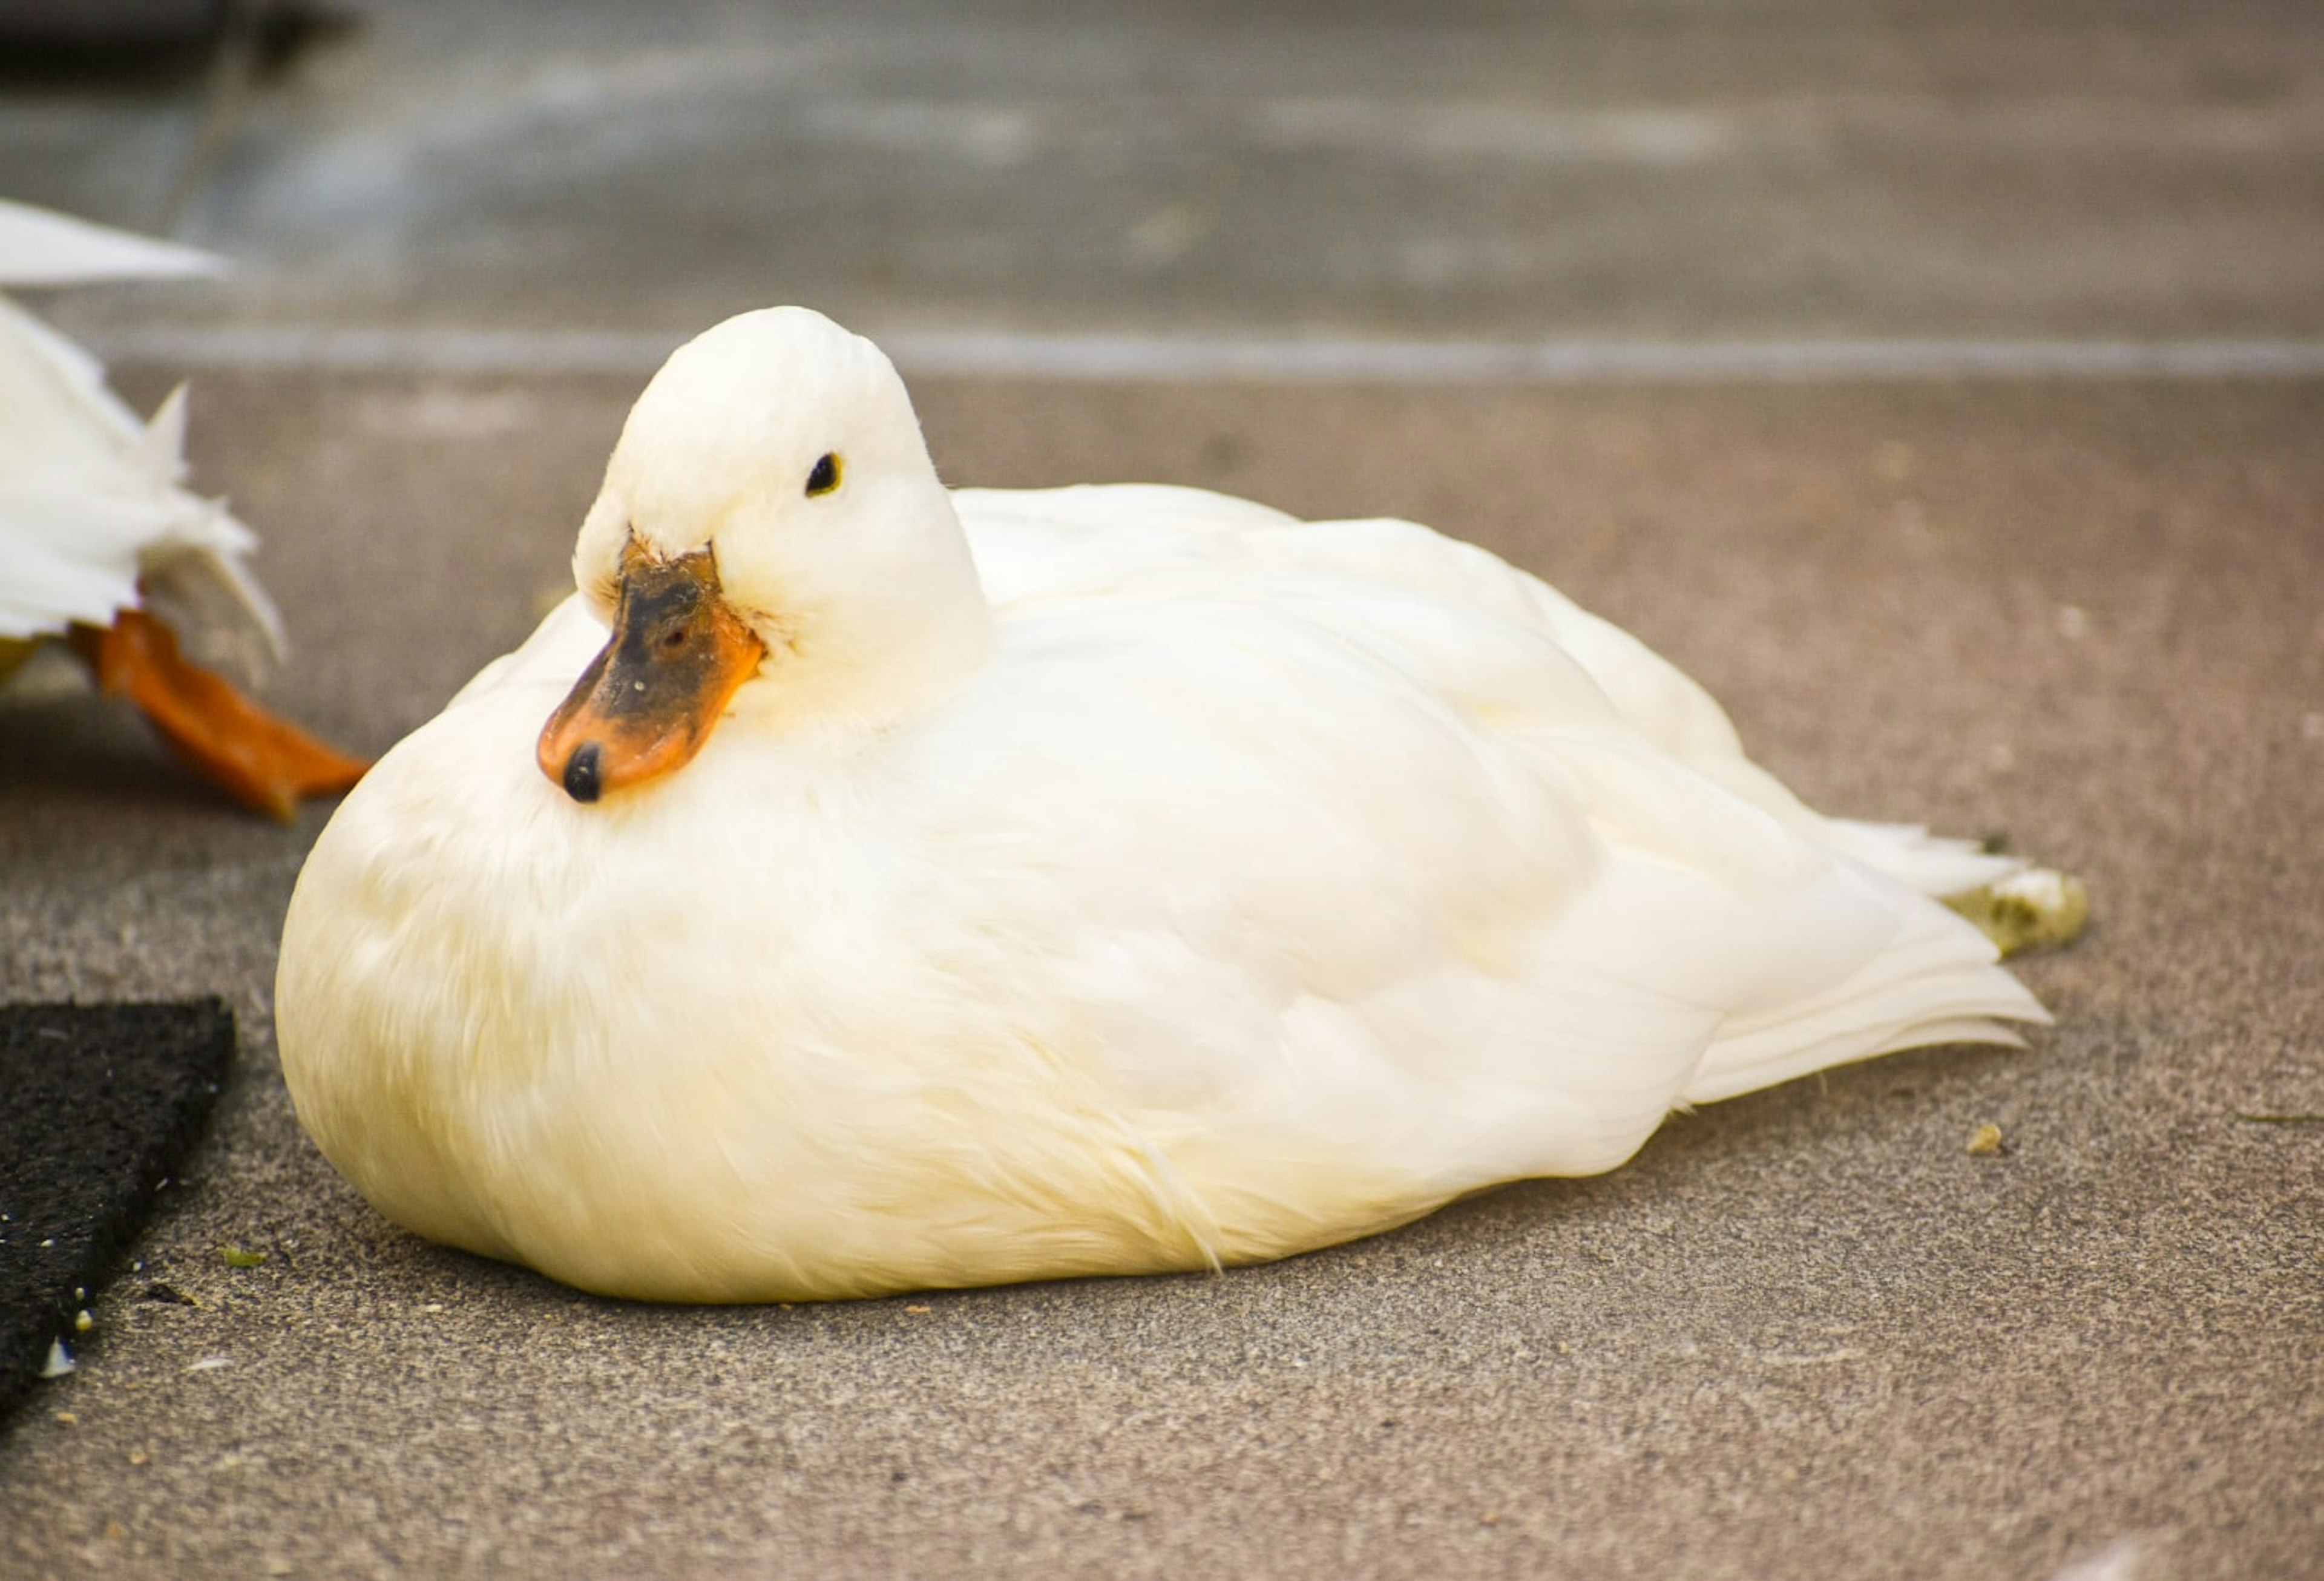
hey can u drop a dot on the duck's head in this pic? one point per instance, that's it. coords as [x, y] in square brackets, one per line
[771, 538]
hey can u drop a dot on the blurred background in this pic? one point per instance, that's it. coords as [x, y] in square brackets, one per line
[1593, 170]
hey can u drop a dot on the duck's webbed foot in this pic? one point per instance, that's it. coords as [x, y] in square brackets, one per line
[264, 762]
[2038, 908]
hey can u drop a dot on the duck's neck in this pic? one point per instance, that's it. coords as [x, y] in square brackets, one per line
[893, 647]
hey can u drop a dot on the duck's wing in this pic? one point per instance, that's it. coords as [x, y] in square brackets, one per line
[1141, 541]
[1144, 540]
[1489, 877]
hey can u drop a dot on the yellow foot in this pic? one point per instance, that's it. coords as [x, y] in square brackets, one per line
[2034, 910]
[262, 762]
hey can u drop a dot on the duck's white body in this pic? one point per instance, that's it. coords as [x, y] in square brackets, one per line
[1269, 884]
[94, 518]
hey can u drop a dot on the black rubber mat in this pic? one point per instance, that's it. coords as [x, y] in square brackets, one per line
[99, 1105]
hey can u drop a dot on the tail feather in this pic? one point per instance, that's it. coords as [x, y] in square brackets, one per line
[1907, 852]
[1937, 983]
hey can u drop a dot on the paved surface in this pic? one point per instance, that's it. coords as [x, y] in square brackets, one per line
[1804, 1334]
[1783, 167]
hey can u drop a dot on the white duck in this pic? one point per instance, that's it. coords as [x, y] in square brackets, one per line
[928, 889]
[101, 545]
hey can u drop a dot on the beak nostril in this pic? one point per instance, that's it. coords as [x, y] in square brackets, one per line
[583, 779]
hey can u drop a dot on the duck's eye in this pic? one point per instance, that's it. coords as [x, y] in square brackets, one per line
[824, 477]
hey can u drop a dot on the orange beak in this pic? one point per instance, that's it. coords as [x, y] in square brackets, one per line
[651, 698]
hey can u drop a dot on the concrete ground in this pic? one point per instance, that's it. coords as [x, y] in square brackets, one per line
[1804, 1333]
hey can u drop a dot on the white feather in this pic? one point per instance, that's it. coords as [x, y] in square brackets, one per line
[93, 516]
[39, 247]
